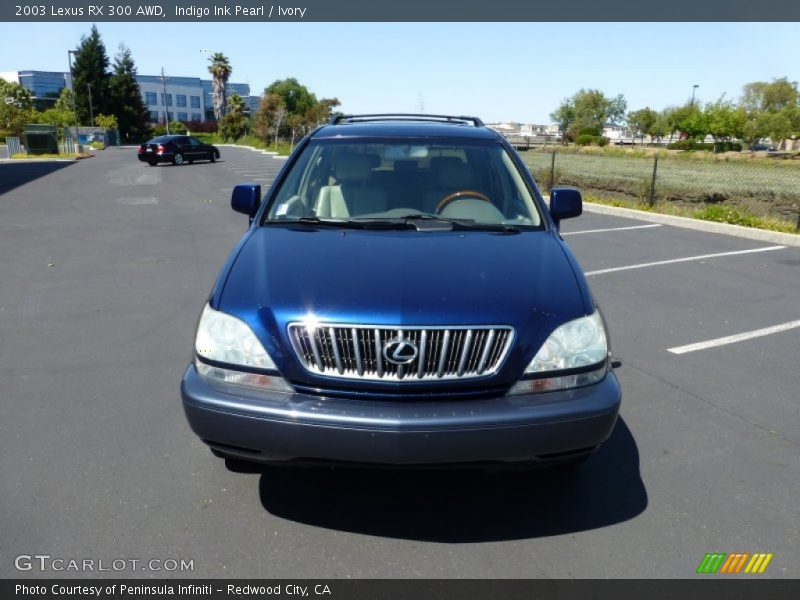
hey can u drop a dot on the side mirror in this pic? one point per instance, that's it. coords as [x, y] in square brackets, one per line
[246, 198]
[565, 203]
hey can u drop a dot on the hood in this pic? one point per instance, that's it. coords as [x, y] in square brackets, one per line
[402, 278]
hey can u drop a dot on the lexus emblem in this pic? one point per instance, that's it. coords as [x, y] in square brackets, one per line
[400, 351]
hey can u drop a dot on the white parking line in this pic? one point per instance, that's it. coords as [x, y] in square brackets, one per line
[732, 339]
[679, 260]
[610, 229]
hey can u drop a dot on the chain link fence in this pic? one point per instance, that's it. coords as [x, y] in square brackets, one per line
[735, 190]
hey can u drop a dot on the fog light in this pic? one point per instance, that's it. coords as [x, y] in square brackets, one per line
[274, 383]
[552, 384]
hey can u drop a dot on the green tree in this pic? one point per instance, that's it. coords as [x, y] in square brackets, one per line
[58, 117]
[296, 97]
[723, 120]
[564, 117]
[587, 112]
[91, 76]
[660, 128]
[772, 110]
[107, 121]
[126, 98]
[642, 122]
[235, 122]
[220, 69]
[322, 111]
[64, 101]
[690, 120]
[302, 109]
[16, 108]
[269, 117]
[770, 97]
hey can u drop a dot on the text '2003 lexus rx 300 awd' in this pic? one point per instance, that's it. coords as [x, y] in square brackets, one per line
[402, 297]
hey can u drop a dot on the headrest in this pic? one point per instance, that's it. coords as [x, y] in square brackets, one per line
[405, 165]
[439, 162]
[355, 167]
[456, 175]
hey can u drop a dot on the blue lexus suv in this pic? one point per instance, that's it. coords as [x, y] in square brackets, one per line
[402, 297]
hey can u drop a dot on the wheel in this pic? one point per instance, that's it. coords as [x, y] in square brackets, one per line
[177, 159]
[460, 194]
[191, 162]
[212, 157]
[152, 163]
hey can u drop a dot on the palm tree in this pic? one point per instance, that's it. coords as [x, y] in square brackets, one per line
[220, 70]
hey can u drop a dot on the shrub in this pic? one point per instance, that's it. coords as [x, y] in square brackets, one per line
[201, 126]
[585, 139]
[603, 141]
[727, 147]
[176, 127]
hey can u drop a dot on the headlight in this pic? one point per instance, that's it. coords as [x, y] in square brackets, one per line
[573, 346]
[226, 339]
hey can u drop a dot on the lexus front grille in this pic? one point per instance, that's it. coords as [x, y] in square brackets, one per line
[400, 353]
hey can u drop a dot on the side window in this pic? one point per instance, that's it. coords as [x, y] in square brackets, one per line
[194, 141]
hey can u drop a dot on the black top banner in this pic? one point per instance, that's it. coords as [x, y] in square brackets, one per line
[405, 11]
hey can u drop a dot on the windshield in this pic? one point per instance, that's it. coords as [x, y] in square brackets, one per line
[341, 181]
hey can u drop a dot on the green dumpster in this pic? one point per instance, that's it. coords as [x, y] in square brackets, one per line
[40, 139]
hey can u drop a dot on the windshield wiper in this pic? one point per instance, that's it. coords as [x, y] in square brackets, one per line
[341, 223]
[418, 221]
[462, 224]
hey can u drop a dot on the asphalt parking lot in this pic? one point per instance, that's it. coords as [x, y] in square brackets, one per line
[105, 265]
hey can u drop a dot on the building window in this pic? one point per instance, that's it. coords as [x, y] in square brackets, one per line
[153, 116]
[183, 117]
[150, 98]
[180, 100]
[195, 101]
[169, 99]
[196, 117]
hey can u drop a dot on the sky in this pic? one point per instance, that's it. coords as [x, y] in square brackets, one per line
[496, 71]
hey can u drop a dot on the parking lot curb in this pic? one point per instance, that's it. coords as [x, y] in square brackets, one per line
[785, 239]
[267, 152]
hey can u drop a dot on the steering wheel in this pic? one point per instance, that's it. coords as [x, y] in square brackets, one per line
[460, 194]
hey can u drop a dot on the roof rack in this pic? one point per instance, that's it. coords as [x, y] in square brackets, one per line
[461, 120]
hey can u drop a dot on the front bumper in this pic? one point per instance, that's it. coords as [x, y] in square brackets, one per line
[278, 427]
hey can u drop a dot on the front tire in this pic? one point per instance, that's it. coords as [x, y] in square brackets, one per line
[177, 159]
[212, 157]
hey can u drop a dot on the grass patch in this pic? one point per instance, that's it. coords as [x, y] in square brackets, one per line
[717, 213]
[282, 148]
[35, 156]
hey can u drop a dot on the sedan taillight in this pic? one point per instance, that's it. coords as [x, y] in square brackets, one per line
[160, 149]
[141, 149]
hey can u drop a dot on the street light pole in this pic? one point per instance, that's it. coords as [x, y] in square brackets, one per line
[694, 87]
[91, 111]
[72, 83]
[166, 105]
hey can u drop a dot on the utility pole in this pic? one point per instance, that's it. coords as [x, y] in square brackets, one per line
[166, 106]
[72, 85]
[91, 111]
[694, 87]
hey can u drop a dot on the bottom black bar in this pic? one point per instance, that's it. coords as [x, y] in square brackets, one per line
[703, 588]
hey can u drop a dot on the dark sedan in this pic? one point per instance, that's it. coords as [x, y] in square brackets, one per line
[177, 149]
